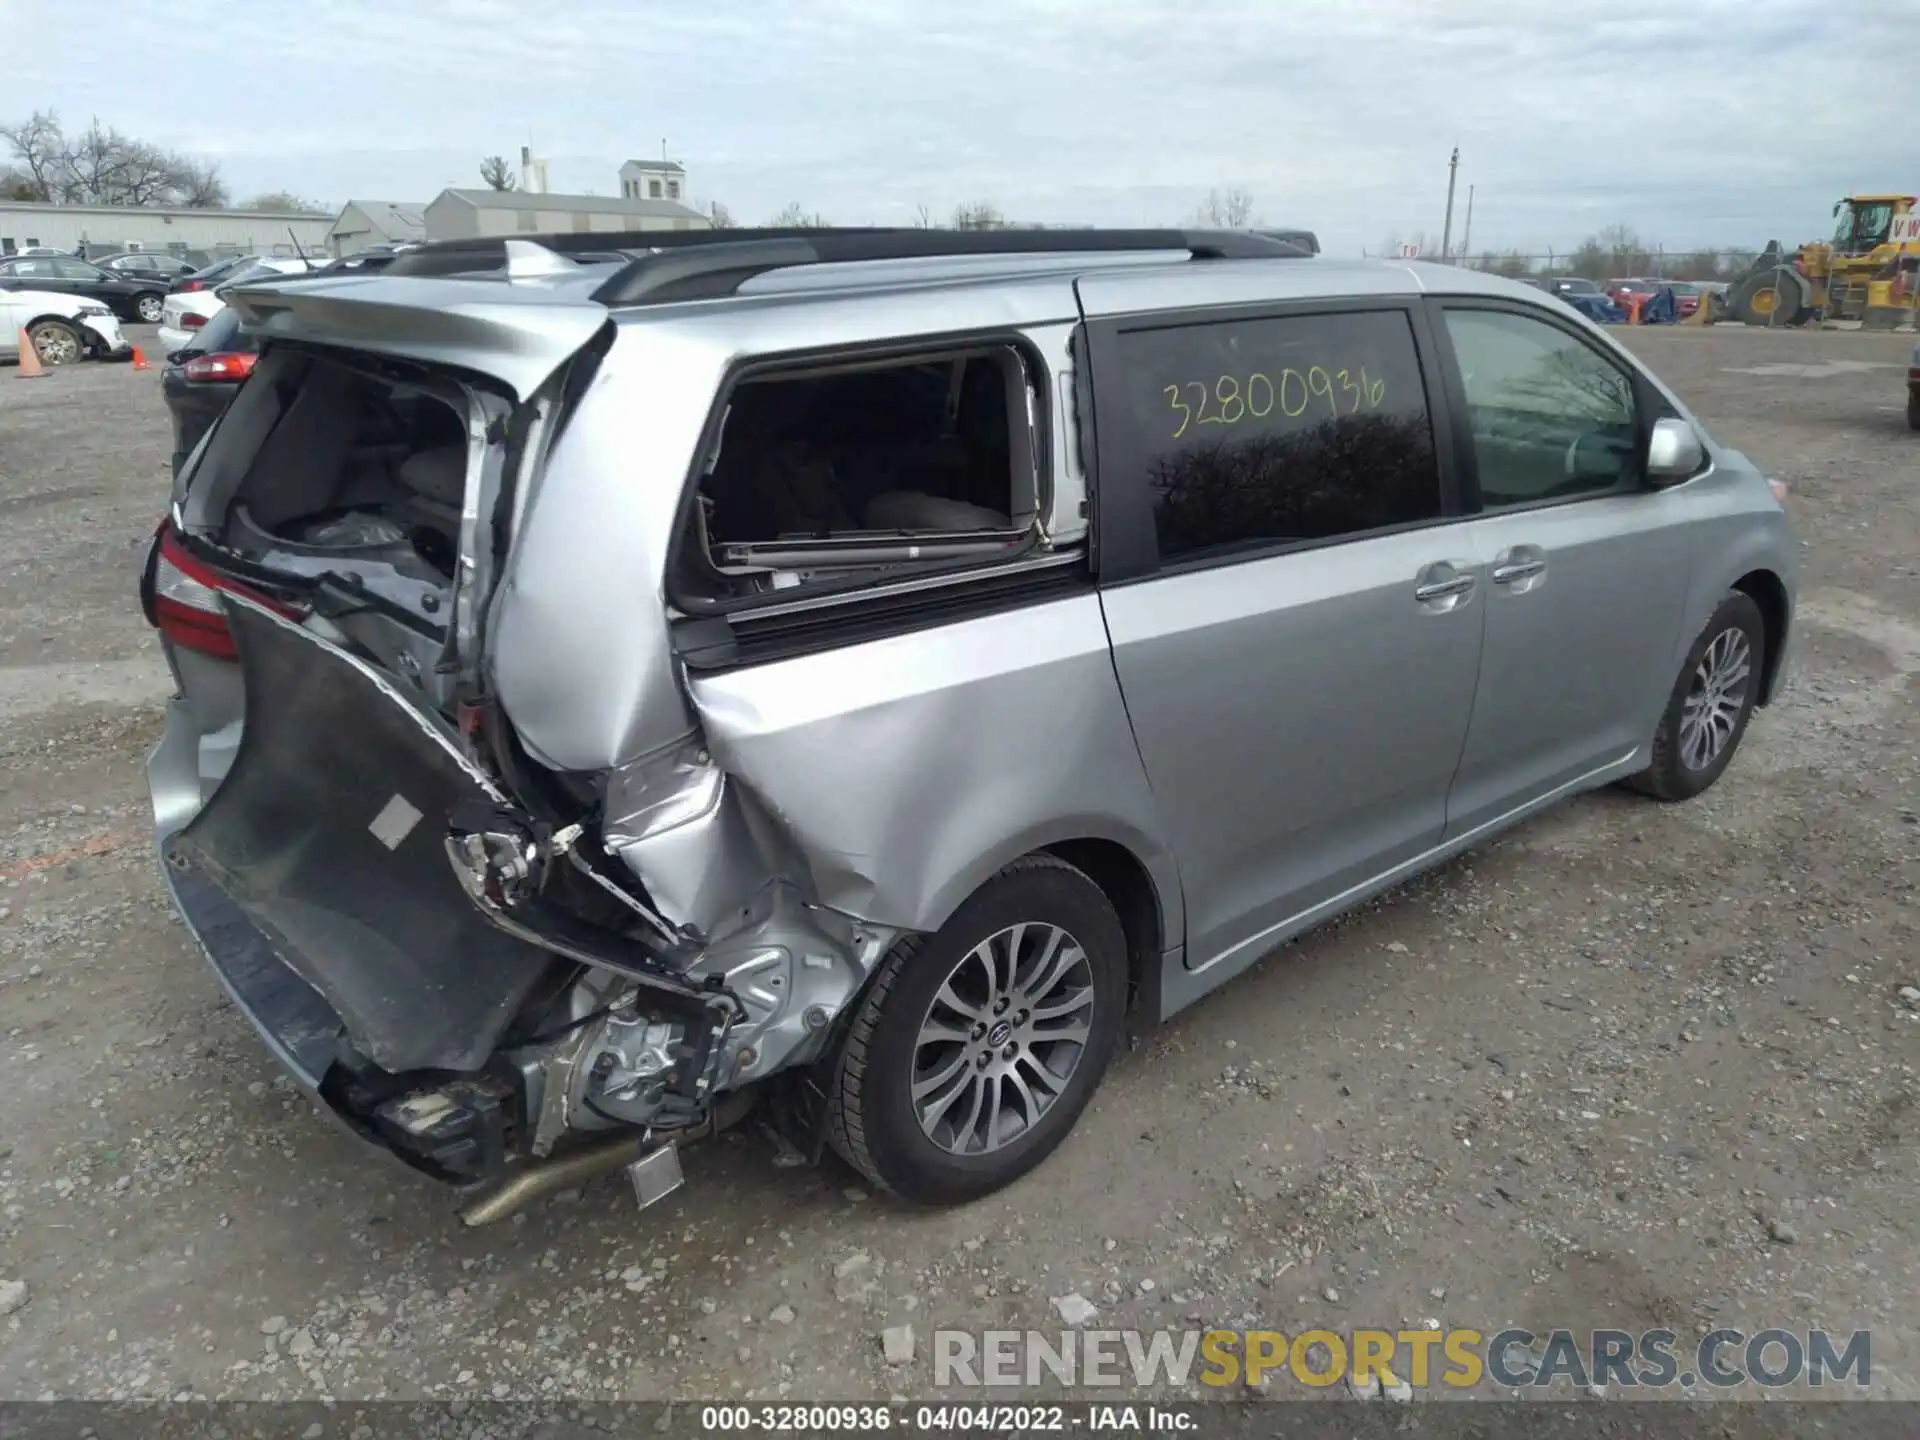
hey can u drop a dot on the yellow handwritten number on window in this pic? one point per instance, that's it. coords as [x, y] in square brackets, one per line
[1229, 400]
[1172, 392]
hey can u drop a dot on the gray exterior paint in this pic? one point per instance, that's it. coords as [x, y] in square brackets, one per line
[469, 214]
[1269, 738]
[63, 227]
[364, 223]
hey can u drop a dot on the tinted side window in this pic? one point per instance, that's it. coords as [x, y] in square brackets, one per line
[1551, 417]
[77, 270]
[1268, 431]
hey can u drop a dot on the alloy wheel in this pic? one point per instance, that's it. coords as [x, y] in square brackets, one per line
[1002, 1038]
[1715, 699]
[55, 345]
[150, 308]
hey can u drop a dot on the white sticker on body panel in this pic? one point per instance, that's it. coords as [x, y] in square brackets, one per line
[394, 822]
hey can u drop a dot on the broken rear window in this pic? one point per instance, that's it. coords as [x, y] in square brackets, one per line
[853, 471]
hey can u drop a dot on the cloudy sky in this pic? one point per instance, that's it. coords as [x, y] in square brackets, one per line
[1698, 122]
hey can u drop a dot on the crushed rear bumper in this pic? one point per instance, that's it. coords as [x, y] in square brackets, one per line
[298, 1027]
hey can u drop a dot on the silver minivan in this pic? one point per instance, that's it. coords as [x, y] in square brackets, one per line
[850, 672]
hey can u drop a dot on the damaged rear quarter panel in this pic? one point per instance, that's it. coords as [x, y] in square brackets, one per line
[907, 770]
[579, 648]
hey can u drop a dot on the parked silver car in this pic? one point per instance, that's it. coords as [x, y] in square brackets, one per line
[855, 669]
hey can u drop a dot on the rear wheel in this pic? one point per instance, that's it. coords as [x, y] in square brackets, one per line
[55, 342]
[1707, 714]
[149, 308]
[1913, 411]
[1773, 297]
[975, 1049]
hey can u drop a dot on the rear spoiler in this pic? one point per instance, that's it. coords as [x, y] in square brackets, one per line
[516, 335]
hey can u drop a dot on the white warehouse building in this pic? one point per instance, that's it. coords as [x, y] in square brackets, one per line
[24, 224]
[467, 214]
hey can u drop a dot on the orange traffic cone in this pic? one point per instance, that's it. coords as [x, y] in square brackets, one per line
[30, 366]
[140, 361]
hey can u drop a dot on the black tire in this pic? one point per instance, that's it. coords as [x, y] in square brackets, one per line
[1913, 412]
[871, 1118]
[1789, 298]
[1671, 777]
[148, 309]
[56, 342]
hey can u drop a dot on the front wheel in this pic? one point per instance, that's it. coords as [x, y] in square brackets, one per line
[975, 1049]
[1773, 297]
[55, 342]
[1707, 714]
[149, 308]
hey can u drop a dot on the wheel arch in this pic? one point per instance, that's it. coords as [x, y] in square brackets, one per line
[73, 327]
[1129, 888]
[1769, 592]
[1138, 877]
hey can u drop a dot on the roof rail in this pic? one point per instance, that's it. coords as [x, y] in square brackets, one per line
[721, 265]
[1305, 239]
[464, 257]
[668, 265]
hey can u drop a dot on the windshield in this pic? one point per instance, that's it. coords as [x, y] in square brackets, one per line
[1863, 226]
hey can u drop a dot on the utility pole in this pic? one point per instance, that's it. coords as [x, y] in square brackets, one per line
[1446, 232]
[1466, 233]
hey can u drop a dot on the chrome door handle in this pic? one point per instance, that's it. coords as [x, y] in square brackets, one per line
[1517, 570]
[1441, 589]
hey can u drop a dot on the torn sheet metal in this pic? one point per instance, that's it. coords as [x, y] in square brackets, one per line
[702, 846]
[317, 834]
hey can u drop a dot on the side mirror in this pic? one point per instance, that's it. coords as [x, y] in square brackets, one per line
[1674, 452]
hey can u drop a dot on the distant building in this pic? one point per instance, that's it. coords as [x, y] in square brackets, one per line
[100, 228]
[466, 214]
[365, 223]
[653, 180]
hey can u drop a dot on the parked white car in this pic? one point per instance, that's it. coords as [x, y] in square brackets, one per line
[62, 328]
[187, 311]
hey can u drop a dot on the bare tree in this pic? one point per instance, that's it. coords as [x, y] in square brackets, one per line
[199, 185]
[1590, 260]
[719, 216]
[1229, 209]
[1625, 254]
[979, 215]
[285, 202]
[796, 216]
[37, 145]
[922, 218]
[102, 166]
[497, 174]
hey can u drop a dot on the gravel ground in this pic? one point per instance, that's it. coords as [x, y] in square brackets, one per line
[1629, 1066]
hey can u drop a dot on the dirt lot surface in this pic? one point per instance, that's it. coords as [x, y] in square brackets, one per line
[1632, 1065]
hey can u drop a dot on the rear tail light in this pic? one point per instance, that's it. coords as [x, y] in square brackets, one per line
[191, 321]
[185, 285]
[220, 366]
[185, 600]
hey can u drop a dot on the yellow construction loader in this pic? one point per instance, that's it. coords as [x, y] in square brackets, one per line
[1867, 272]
